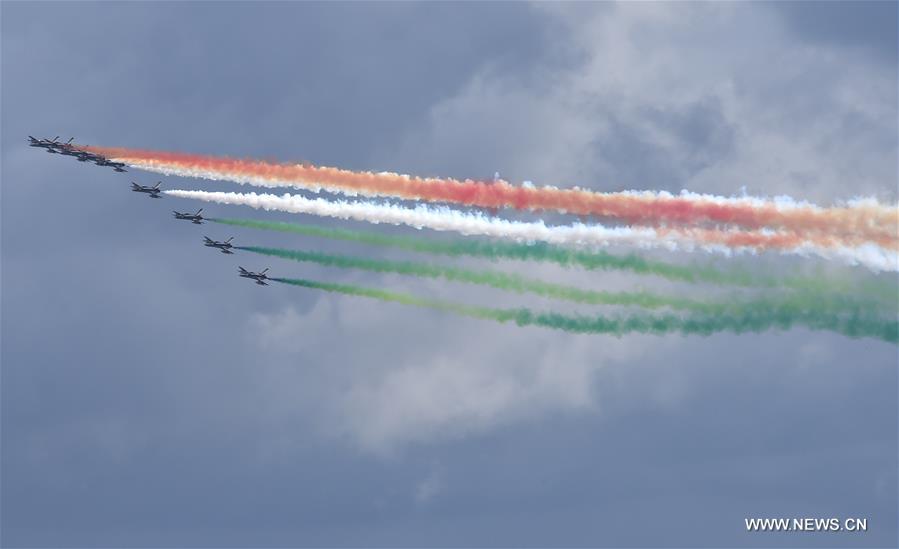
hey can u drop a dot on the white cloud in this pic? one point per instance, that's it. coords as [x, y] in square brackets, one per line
[709, 97]
[396, 375]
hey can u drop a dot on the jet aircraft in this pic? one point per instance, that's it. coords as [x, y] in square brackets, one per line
[225, 246]
[72, 151]
[260, 277]
[35, 142]
[193, 218]
[152, 191]
[87, 157]
[117, 166]
[51, 145]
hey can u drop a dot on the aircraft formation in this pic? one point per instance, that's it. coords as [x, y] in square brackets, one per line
[54, 146]
[714, 224]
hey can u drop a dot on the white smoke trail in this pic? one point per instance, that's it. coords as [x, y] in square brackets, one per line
[445, 219]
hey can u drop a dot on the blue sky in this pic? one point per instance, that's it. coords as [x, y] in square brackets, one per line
[152, 398]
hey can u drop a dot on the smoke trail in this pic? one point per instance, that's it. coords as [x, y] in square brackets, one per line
[857, 325]
[857, 222]
[503, 281]
[799, 304]
[566, 257]
[443, 219]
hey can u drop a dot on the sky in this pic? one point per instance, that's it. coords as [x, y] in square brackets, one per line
[150, 397]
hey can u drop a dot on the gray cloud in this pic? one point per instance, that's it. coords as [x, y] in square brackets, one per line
[868, 25]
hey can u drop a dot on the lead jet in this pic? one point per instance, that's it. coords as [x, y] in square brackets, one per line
[152, 191]
[193, 218]
[49, 144]
[225, 246]
[42, 143]
[260, 278]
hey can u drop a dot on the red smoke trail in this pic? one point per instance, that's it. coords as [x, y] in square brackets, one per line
[857, 223]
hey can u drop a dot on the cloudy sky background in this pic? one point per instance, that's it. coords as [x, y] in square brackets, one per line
[152, 398]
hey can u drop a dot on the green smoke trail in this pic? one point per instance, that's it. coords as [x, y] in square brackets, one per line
[856, 325]
[799, 303]
[593, 260]
[495, 279]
